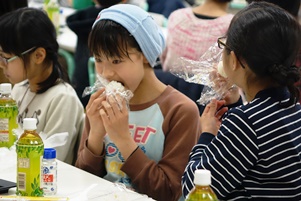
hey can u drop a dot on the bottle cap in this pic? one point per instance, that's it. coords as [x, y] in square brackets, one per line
[49, 153]
[6, 88]
[202, 177]
[29, 123]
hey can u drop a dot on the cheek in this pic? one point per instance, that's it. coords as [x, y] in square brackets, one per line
[226, 63]
[133, 77]
[16, 77]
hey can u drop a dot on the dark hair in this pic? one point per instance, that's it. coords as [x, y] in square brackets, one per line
[222, 1]
[291, 6]
[108, 3]
[25, 28]
[10, 5]
[110, 39]
[267, 39]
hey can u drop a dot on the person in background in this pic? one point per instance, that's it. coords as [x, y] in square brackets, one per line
[29, 59]
[141, 3]
[254, 151]
[81, 23]
[5, 7]
[191, 31]
[164, 7]
[190, 2]
[145, 147]
[292, 7]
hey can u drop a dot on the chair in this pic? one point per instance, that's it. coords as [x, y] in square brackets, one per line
[69, 60]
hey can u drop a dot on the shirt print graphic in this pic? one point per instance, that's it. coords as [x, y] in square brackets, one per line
[146, 130]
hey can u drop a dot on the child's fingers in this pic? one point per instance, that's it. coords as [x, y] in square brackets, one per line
[94, 96]
[221, 112]
[210, 109]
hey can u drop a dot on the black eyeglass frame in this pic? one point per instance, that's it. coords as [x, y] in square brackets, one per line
[220, 43]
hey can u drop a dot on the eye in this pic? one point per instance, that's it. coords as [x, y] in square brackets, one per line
[116, 61]
[97, 59]
[1, 55]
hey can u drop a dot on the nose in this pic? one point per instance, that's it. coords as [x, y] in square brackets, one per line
[107, 72]
[2, 65]
[2, 62]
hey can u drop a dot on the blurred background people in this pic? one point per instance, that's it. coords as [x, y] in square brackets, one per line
[191, 31]
[164, 7]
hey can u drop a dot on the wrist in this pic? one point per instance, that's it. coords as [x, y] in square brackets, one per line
[95, 144]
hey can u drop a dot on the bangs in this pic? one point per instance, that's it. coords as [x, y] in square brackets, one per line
[111, 40]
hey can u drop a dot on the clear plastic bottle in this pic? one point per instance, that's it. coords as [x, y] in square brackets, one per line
[30, 150]
[8, 116]
[49, 172]
[202, 190]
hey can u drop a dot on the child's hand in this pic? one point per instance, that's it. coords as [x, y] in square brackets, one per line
[115, 117]
[93, 112]
[210, 119]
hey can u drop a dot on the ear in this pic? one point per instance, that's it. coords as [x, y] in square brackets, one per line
[39, 55]
[145, 61]
[234, 60]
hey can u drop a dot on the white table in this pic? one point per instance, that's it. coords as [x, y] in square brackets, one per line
[77, 185]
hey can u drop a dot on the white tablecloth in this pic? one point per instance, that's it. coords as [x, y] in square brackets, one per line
[74, 183]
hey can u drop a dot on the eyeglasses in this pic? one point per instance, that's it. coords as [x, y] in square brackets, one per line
[221, 42]
[6, 61]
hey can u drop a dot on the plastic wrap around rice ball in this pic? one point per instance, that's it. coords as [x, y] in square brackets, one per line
[112, 88]
[208, 71]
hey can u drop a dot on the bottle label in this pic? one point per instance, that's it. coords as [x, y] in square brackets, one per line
[29, 160]
[8, 123]
[49, 178]
[4, 132]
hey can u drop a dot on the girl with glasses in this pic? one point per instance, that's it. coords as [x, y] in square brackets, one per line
[254, 151]
[29, 59]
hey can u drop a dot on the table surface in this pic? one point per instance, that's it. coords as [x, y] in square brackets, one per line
[76, 184]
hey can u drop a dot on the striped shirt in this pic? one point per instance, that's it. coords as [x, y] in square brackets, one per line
[256, 154]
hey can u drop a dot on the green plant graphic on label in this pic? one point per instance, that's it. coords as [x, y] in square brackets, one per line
[8, 122]
[29, 167]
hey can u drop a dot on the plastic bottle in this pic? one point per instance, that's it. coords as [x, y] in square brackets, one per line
[30, 150]
[49, 172]
[8, 116]
[202, 190]
[52, 8]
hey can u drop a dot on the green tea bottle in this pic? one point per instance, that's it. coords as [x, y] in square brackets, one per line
[8, 116]
[30, 150]
[52, 8]
[202, 190]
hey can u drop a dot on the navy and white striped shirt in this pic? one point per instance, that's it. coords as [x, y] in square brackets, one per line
[256, 154]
